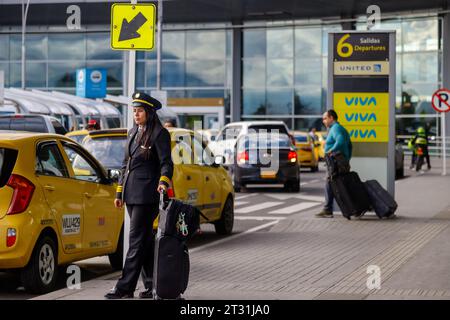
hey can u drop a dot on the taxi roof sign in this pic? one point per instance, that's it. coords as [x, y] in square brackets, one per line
[133, 26]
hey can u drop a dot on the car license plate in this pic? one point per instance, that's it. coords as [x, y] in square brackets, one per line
[266, 174]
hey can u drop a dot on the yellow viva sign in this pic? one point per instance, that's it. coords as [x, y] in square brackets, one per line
[364, 109]
[364, 115]
[367, 134]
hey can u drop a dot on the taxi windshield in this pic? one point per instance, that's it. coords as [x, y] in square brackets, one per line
[109, 151]
[299, 138]
[78, 138]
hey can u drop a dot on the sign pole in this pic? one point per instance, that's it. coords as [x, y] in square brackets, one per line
[131, 88]
[444, 156]
[441, 103]
[2, 86]
[159, 46]
[132, 28]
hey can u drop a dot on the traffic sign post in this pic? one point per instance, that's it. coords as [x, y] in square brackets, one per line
[441, 100]
[441, 103]
[2, 86]
[133, 26]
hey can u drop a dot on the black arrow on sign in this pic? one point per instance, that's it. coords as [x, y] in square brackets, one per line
[129, 29]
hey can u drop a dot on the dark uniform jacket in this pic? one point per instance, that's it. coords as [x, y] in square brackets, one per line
[139, 177]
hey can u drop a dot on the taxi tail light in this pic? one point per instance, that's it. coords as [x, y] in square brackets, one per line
[243, 157]
[292, 156]
[23, 191]
[11, 237]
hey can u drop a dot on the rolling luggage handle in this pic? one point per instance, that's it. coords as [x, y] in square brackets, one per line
[336, 164]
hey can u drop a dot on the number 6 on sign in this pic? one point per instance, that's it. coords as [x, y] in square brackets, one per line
[341, 45]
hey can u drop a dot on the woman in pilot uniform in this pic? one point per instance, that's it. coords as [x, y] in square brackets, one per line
[146, 172]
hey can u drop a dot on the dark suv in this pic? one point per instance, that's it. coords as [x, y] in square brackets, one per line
[31, 122]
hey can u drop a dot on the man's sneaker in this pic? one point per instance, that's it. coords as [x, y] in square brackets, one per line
[324, 214]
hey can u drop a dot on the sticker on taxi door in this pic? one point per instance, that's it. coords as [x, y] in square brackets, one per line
[71, 224]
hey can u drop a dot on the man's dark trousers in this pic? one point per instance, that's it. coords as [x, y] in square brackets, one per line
[329, 197]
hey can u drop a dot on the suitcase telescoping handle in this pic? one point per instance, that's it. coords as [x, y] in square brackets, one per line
[163, 200]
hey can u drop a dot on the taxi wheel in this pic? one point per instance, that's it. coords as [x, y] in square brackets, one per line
[116, 258]
[237, 187]
[315, 169]
[224, 225]
[40, 275]
[292, 186]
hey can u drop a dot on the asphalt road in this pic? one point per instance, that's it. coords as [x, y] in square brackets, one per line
[255, 208]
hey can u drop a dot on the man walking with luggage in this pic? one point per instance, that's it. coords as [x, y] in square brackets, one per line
[338, 140]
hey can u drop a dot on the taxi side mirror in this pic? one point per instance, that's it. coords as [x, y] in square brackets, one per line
[219, 160]
[113, 175]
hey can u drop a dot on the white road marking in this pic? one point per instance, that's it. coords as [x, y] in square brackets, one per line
[295, 208]
[240, 203]
[266, 225]
[275, 185]
[311, 198]
[257, 207]
[259, 218]
[286, 196]
[245, 195]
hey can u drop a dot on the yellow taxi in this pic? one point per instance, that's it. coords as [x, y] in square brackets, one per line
[306, 155]
[56, 202]
[197, 179]
[56, 207]
[77, 135]
[322, 138]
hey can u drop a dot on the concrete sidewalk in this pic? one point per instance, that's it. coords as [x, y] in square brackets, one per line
[303, 257]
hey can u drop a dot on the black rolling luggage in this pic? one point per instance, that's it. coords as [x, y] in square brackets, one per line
[350, 194]
[380, 200]
[177, 223]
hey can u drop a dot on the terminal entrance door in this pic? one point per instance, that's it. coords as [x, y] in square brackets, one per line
[209, 113]
[206, 121]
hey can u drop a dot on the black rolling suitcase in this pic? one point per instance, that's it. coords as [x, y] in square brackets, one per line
[177, 223]
[381, 201]
[350, 194]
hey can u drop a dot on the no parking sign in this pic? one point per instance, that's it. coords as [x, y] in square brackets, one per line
[441, 100]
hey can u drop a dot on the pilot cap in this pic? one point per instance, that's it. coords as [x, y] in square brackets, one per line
[141, 99]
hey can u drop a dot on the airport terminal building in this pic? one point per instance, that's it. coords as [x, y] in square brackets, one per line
[260, 59]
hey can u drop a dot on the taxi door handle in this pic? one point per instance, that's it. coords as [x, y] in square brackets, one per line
[49, 188]
[188, 177]
[87, 195]
[207, 178]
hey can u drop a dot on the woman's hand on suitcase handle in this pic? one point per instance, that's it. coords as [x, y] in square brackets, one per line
[118, 203]
[162, 188]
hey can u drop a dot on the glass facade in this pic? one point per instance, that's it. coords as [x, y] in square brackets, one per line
[284, 73]
[195, 64]
[418, 75]
[284, 68]
[52, 59]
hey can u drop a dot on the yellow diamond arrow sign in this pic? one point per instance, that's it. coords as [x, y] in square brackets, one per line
[133, 26]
